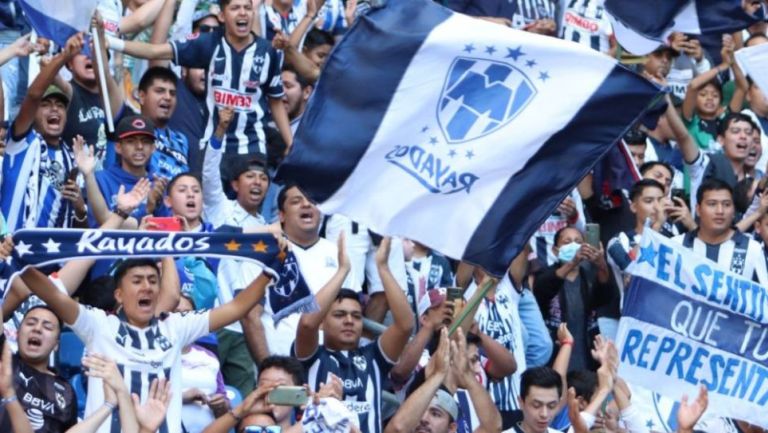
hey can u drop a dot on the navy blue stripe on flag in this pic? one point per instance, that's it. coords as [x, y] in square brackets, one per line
[532, 194]
[718, 16]
[695, 319]
[648, 17]
[48, 26]
[367, 95]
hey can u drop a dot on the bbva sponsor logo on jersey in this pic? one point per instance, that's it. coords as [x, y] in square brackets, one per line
[230, 98]
[480, 96]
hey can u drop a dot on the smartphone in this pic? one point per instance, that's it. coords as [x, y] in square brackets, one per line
[72, 175]
[679, 193]
[166, 224]
[454, 293]
[593, 235]
[288, 396]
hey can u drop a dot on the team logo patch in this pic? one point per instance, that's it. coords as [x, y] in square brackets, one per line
[485, 88]
[60, 401]
[480, 96]
[360, 362]
[138, 123]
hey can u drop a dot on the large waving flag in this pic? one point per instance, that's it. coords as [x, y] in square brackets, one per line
[641, 26]
[57, 20]
[456, 132]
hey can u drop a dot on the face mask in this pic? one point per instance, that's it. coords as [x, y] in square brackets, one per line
[567, 252]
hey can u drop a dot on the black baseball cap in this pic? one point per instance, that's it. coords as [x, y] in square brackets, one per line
[247, 163]
[135, 125]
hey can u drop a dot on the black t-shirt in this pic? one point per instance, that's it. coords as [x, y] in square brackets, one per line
[85, 116]
[49, 401]
[189, 118]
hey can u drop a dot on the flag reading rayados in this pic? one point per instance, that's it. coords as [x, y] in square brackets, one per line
[456, 132]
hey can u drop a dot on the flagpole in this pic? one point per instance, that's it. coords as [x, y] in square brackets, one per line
[473, 303]
[102, 79]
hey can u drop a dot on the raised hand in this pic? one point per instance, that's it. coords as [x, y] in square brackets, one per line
[104, 368]
[349, 12]
[6, 247]
[563, 334]
[382, 253]
[6, 373]
[151, 414]
[156, 194]
[129, 201]
[689, 413]
[85, 156]
[440, 362]
[74, 45]
[343, 257]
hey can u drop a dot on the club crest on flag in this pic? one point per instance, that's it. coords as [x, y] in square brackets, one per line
[480, 96]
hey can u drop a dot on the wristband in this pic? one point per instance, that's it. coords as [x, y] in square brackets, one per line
[6, 401]
[237, 418]
[566, 343]
[121, 213]
[109, 406]
[115, 44]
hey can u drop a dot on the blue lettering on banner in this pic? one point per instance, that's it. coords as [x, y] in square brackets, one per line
[699, 277]
[730, 376]
[687, 322]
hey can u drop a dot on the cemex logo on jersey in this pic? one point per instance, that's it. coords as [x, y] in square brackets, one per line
[232, 98]
[484, 89]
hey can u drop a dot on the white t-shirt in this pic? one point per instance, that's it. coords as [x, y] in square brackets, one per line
[142, 354]
[317, 264]
[199, 370]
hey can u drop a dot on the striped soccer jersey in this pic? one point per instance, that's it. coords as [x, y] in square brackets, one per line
[142, 355]
[240, 79]
[586, 22]
[33, 174]
[362, 372]
[740, 254]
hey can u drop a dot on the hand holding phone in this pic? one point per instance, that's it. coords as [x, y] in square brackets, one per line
[165, 224]
[288, 396]
[592, 235]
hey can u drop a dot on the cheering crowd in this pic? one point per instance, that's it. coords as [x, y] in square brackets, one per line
[182, 126]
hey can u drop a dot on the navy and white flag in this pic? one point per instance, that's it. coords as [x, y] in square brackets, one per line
[688, 322]
[641, 26]
[41, 247]
[58, 20]
[456, 132]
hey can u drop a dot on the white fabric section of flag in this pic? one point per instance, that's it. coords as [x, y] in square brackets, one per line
[502, 152]
[754, 62]
[686, 21]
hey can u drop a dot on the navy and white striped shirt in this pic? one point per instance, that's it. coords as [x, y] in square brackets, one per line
[740, 254]
[240, 79]
[362, 372]
[33, 174]
[586, 22]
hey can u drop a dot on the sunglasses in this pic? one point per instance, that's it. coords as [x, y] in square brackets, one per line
[262, 429]
[207, 29]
